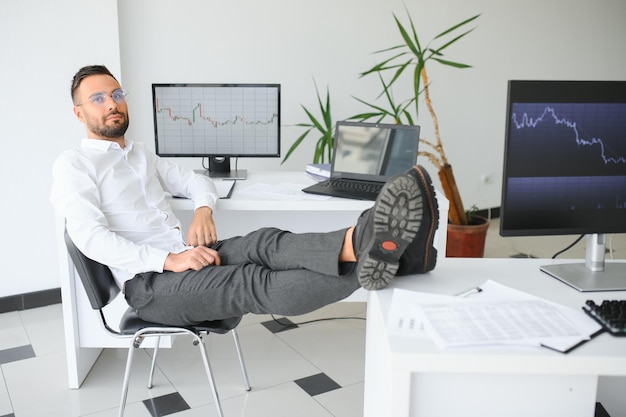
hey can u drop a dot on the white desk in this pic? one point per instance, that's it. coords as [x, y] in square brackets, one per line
[245, 211]
[412, 377]
[240, 214]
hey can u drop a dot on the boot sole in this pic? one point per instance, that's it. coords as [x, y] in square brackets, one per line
[397, 217]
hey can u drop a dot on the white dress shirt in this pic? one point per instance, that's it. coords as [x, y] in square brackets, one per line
[115, 207]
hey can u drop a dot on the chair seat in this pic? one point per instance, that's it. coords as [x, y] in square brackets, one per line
[131, 323]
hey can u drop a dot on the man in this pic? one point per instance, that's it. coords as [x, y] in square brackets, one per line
[111, 192]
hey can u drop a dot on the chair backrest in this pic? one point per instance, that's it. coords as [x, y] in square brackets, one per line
[97, 278]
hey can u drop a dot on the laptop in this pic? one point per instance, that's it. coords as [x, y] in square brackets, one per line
[365, 156]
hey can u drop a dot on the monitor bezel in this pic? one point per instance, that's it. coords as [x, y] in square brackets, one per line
[216, 155]
[556, 91]
[390, 126]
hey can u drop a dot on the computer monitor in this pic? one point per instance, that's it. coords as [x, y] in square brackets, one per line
[374, 151]
[565, 171]
[217, 122]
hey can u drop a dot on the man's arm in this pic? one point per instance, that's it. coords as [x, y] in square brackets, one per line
[201, 190]
[202, 231]
[196, 259]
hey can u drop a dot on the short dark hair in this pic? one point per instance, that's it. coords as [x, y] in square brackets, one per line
[85, 72]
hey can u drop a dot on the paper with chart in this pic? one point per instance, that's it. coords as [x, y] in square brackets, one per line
[498, 315]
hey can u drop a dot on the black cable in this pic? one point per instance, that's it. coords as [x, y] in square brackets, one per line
[568, 248]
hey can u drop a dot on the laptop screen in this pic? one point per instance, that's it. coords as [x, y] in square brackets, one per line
[373, 151]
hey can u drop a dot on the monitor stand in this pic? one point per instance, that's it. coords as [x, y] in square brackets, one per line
[594, 274]
[219, 167]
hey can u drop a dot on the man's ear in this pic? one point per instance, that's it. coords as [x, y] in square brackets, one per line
[79, 113]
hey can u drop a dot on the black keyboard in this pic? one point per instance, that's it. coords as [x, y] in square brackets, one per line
[358, 186]
[611, 314]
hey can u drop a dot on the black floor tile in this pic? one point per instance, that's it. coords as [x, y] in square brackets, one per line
[16, 354]
[600, 411]
[281, 325]
[317, 384]
[166, 405]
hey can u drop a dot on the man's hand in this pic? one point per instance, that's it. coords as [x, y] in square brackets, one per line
[196, 259]
[202, 228]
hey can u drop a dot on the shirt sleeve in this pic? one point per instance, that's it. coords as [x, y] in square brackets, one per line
[76, 198]
[181, 182]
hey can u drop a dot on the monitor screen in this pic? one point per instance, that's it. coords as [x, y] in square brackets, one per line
[565, 158]
[217, 120]
[374, 150]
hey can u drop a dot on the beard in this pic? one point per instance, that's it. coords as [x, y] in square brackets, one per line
[114, 131]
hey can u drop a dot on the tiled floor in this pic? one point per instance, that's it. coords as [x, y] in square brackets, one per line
[314, 370]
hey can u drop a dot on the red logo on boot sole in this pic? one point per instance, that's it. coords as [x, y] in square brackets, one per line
[389, 245]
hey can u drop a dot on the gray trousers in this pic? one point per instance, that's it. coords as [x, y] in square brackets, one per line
[269, 271]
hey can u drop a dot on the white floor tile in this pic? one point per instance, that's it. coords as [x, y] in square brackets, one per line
[344, 402]
[341, 309]
[39, 384]
[5, 401]
[336, 349]
[44, 327]
[106, 377]
[12, 332]
[282, 400]
[132, 410]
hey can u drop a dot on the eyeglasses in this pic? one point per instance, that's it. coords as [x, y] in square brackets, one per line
[118, 96]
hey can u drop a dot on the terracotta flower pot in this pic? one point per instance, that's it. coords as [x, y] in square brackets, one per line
[467, 241]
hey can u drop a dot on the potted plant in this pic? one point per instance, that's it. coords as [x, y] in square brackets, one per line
[324, 127]
[410, 58]
[467, 240]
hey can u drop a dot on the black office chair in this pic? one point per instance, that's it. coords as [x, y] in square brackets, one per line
[101, 289]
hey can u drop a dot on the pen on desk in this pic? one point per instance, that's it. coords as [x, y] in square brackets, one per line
[469, 292]
[230, 192]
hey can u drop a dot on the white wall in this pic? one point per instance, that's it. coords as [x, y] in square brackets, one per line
[293, 41]
[287, 41]
[42, 44]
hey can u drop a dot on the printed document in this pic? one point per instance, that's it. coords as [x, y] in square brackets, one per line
[497, 315]
[529, 322]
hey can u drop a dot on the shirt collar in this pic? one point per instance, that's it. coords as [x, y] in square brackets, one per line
[104, 145]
